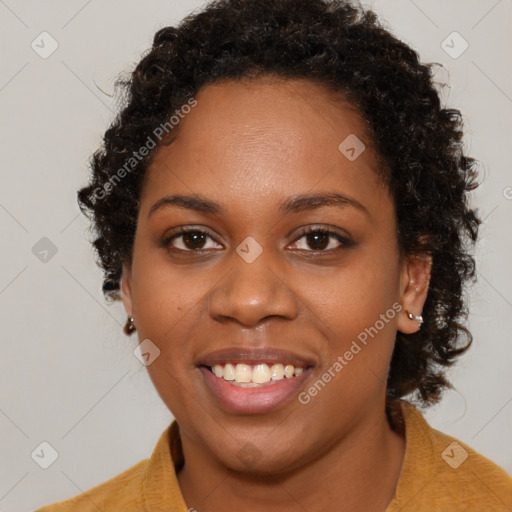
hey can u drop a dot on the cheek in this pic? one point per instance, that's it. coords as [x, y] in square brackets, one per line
[358, 308]
[166, 299]
[351, 298]
[166, 304]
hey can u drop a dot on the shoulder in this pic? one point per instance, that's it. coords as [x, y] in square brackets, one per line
[442, 473]
[459, 463]
[122, 492]
[149, 485]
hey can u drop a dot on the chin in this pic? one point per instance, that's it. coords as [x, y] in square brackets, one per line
[264, 463]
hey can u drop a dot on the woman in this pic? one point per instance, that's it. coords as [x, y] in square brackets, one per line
[282, 206]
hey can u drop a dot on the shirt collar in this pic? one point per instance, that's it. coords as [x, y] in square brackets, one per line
[160, 487]
[418, 450]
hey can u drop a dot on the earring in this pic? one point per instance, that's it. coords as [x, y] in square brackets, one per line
[129, 327]
[416, 318]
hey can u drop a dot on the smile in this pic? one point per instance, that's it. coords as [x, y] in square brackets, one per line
[244, 380]
[248, 375]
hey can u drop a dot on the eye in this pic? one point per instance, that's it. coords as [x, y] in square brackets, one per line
[321, 240]
[190, 240]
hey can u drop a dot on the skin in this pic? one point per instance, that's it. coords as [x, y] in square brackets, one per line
[250, 146]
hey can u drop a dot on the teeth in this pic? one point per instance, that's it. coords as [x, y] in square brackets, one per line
[229, 372]
[243, 373]
[261, 373]
[289, 370]
[255, 375]
[277, 371]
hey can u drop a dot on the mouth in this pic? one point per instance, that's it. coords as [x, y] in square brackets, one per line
[258, 375]
[254, 381]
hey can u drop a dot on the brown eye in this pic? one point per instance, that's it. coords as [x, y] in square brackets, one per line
[317, 240]
[194, 240]
[320, 240]
[190, 241]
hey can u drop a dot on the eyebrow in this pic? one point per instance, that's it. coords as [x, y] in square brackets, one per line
[294, 204]
[305, 202]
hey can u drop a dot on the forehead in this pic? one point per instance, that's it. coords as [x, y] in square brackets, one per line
[248, 137]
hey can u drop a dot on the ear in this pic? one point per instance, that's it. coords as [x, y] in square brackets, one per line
[414, 281]
[126, 288]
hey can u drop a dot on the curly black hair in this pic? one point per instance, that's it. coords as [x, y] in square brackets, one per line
[344, 47]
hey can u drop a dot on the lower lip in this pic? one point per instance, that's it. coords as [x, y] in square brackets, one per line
[255, 400]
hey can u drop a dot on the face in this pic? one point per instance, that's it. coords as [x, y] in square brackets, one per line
[289, 264]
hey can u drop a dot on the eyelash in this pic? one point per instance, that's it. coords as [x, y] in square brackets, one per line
[345, 242]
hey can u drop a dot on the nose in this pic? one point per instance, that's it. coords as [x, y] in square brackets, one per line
[251, 292]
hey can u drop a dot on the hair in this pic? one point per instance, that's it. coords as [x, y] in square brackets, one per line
[345, 48]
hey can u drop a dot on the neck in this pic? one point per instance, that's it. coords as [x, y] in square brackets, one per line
[360, 472]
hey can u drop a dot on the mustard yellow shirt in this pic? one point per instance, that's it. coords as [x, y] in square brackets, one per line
[439, 474]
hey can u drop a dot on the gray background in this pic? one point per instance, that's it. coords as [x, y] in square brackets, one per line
[68, 374]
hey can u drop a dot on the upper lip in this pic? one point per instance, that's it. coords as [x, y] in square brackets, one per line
[255, 356]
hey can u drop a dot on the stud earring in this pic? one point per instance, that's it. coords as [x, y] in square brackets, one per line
[416, 318]
[129, 327]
